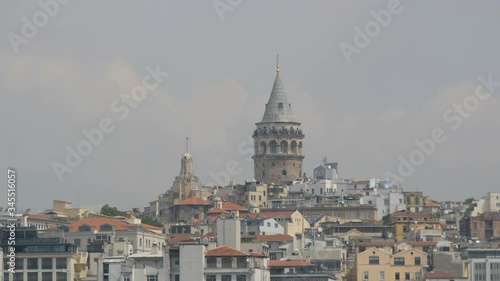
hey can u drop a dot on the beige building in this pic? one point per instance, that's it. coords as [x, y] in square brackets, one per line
[489, 203]
[64, 207]
[379, 265]
[414, 201]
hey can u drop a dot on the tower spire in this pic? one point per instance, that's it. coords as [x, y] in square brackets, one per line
[277, 63]
[187, 140]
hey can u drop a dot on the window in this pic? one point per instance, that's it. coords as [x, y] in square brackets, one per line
[373, 260]
[47, 264]
[105, 268]
[18, 276]
[225, 278]
[268, 224]
[273, 145]
[32, 263]
[61, 276]
[106, 227]
[126, 276]
[84, 228]
[241, 278]
[19, 263]
[211, 262]
[418, 276]
[407, 276]
[275, 225]
[418, 261]
[347, 215]
[61, 263]
[382, 275]
[399, 261]
[211, 278]
[46, 276]
[151, 277]
[353, 215]
[32, 276]
[283, 173]
[365, 275]
[227, 262]
[78, 242]
[396, 276]
[241, 262]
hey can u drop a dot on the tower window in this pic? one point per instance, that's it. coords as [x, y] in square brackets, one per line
[273, 147]
[284, 147]
[283, 173]
[280, 105]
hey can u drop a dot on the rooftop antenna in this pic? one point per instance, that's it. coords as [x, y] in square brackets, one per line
[187, 141]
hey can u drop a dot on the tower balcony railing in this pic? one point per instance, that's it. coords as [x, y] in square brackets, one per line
[282, 133]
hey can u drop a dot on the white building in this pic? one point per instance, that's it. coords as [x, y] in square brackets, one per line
[489, 203]
[228, 264]
[261, 226]
[387, 200]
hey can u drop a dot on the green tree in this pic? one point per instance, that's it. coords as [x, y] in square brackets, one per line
[469, 200]
[111, 211]
[151, 221]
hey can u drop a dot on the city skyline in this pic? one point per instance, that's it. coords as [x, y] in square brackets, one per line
[362, 113]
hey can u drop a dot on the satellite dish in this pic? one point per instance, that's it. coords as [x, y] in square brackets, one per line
[320, 229]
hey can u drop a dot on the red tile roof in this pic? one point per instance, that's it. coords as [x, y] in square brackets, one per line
[432, 204]
[274, 238]
[194, 201]
[228, 206]
[39, 216]
[276, 263]
[274, 214]
[95, 223]
[225, 251]
[216, 211]
[413, 215]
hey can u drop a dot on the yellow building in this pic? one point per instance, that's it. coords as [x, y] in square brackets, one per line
[65, 207]
[403, 222]
[379, 265]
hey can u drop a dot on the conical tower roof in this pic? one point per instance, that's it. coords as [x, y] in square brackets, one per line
[278, 109]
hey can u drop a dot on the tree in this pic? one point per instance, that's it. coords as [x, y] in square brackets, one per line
[469, 200]
[111, 211]
[151, 221]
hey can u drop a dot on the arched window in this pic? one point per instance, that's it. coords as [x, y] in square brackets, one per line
[284, 147]
[106, 227]
[273, 145]
[293, 147]
[84, 228]
[263, 147]
[300, 147]
[283, 173]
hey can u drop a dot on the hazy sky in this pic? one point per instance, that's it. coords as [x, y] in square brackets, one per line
[363, 114]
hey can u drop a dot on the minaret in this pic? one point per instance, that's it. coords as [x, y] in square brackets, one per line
[278, 140]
